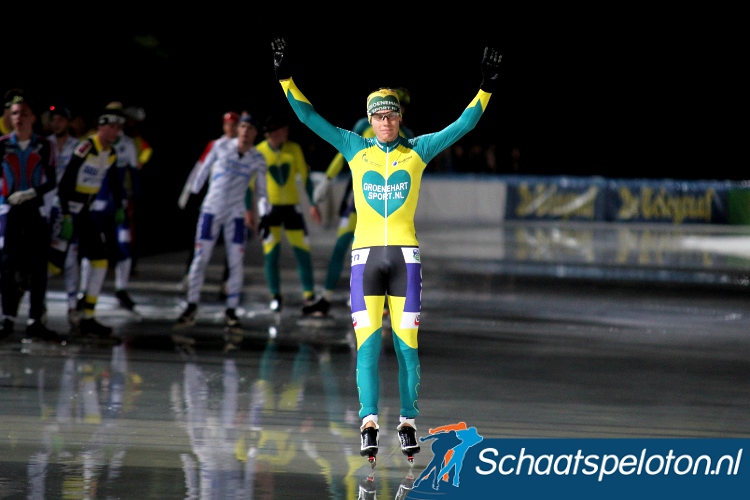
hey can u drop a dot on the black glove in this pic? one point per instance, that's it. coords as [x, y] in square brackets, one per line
[281, 61]
[264, 227]
[490, 69]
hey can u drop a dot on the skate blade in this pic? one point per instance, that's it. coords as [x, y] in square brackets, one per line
[93, 340]
[183, 340]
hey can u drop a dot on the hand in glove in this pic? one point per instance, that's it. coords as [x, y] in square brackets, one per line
[22, 196]
[119, 216]
[490, 69]
[321, 191]
[264, 227]
[66, 228]
[281, 62]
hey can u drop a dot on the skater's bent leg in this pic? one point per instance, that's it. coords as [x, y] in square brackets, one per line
[301, 248]
[206, 234]
[94, 286]
[271, 252]
[235, 248]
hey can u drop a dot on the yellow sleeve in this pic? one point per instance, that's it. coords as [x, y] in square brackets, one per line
[334, 168]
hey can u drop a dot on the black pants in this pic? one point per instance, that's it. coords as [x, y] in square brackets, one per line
[23, 262]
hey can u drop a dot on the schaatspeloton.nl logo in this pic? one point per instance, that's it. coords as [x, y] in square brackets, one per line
[587, 468]
[449, 444]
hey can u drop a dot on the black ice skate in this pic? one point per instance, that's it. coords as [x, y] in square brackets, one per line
[6, 328]
[187, 318]
[369, 446]
[92, 328]
[276, 303]
[318, 309]
[232, 331]
[93, 332]
[39, 331]
[123, 297]
[232, 322]
[408, 438]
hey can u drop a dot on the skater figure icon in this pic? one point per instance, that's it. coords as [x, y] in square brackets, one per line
[451, 442]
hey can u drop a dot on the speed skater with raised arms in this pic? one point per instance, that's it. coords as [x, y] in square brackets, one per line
[386, 177]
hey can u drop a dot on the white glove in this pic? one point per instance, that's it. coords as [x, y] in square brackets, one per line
[321, 190]
[21, 196]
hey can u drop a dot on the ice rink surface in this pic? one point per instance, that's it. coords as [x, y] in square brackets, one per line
[527, 330]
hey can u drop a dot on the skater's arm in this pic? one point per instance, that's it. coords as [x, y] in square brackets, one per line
[430, 145]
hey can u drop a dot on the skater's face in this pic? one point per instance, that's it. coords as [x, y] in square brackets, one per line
[278, 136]
[386, 125]
[230, 128]
[22, 118]
[109, 132]
[246, 134]
[59, 124]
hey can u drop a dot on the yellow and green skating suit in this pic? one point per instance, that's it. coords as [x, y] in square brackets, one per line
[284, 166]
[385, 252]
[347, 212]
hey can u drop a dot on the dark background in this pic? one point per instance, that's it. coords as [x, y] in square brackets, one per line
[621, 94]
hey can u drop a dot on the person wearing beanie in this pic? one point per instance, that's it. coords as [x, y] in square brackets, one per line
[6, 125]
[103, 209]
[286, 162]
[93, 161]
[190, 202]
[386, 176]
[226, 209]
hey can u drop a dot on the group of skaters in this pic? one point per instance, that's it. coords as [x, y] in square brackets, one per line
[254, 186]
[250, 185]
[66, 207]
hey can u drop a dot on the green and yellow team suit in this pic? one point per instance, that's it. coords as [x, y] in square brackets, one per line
[284, 167]
[347, 210]
[386, 179]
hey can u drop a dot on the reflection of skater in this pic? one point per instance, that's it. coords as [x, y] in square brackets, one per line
[368, 489]
[444, 442]
[213, 433]
[405, 486]
[469, 437]
[89, 398]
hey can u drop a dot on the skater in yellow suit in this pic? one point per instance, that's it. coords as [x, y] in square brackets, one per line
[285, 163]
[386, 176]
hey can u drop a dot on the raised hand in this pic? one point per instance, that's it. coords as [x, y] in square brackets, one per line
[281, 60]
[490, 69]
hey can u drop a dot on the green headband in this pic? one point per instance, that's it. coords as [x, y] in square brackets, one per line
[383, 100]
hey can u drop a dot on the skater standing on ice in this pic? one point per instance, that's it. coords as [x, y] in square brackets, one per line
[386, 173]
[231, 164]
